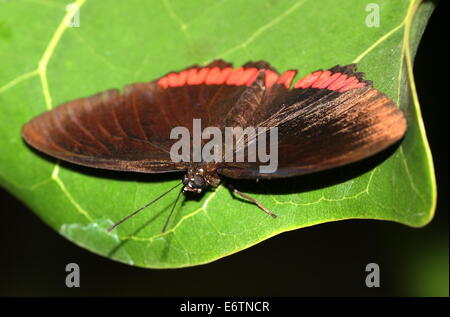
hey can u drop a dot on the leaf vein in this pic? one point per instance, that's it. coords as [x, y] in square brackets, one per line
[261, 30]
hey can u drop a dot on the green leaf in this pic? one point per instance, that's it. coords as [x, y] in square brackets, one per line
[45, 63]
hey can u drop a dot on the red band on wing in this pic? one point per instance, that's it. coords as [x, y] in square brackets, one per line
[215, 76]
[212, 76]
[322, 78]
[201, 76]
[222, 78]
[192, 74]
[307, 81]
[328, 80]
[357, 85]
[286, 78]
[337, 84]
[173, 80]
[248, 73]
[164, 82]
[182, 78]
[271, 78]
[252, 78]
[246, 76]
[234, 76]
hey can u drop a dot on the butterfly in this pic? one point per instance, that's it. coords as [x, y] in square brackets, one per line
[326, 119]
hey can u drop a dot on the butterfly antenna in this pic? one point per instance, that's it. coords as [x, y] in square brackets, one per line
[171, 212]
[142, 208]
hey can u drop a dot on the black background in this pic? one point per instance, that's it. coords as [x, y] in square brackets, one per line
[324, 260]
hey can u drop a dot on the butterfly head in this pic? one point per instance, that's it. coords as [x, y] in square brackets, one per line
[195, 181]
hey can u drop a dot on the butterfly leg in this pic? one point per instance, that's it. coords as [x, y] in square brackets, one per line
[235, 191]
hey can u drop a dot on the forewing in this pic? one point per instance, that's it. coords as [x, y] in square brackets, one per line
[131, 131]
[108, 130]
[329, 119]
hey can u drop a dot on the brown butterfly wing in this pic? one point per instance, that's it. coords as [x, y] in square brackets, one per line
[131, 131]
[99, 132]
[325, 123]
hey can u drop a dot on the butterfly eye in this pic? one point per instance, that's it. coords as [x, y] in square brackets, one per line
[185, 180]
[199, 181]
